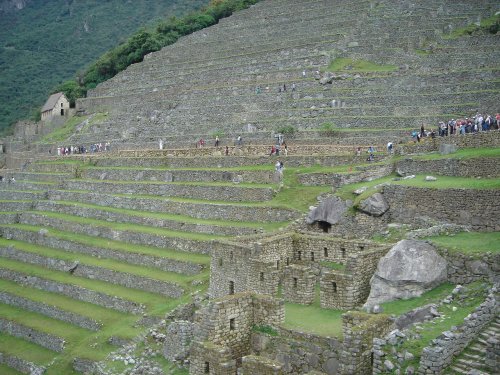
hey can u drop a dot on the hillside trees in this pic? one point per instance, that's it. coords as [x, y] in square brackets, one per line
[145, 41]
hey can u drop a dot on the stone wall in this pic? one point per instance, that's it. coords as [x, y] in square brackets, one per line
[73, 291]
[40, 338]
[472, 140]
[439, 355]
[298, 352]
[295, 262]
[196, 210]
[476, 208]
[164, 288]
[464, 269]
[225, 326]
[232, 193]
[359, 330]
[257, 365]
[21, 365]
[473, 167]
[140, 238]
[359, 174]
[50, 311]
[299, 284]
[165, 264]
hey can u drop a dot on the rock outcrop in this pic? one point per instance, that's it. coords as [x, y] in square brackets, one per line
[409, 269]
[375, 205]
[331, 210]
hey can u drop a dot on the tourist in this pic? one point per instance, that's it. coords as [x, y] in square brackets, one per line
[160, 144]
[293, 86]
[239, 140]
[285, 149]
[358, 151]
[273, 150]
[217, 141]
[389, 148]
[227, 150]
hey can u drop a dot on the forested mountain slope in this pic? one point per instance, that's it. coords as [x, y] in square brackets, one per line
[44, 42]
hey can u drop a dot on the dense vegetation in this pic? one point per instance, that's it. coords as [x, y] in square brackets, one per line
[48, 41]
[145, 41]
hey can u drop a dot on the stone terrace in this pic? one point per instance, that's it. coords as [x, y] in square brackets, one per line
[114, 236]
[206, 82]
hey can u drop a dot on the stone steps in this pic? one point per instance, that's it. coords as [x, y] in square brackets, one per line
[40, 177]
[472, 359]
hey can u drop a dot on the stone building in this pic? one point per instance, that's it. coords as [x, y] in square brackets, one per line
[56, 105]
[296, 263]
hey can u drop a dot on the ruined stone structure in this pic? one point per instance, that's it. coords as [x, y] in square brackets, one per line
[297, 262]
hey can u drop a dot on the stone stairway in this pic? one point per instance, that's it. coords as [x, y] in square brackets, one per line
[472, 359]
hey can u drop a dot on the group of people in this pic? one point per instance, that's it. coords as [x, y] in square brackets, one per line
[95, 147]
[276, 149]
[9, 180]
[474, 124]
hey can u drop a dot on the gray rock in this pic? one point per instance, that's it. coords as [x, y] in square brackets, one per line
[331, 210]
[407, 270]
[377, 309]
[430, 178]
[445, 149]
[360, 191]
[388, 365]
[409, 177]
[376, 205]
[331, 367]
[42, 232]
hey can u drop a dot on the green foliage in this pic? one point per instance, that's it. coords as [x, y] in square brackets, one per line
[469, 242]
[62, 133]
[287, 130]
[328, 129]
[489, 25]
[333, 265]
[72, 91]
[323, 322]
[342, 64]
[166, 32]
[265, 329]
[43, 45]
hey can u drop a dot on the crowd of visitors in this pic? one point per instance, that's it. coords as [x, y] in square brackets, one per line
[93, 148]
[474, 124]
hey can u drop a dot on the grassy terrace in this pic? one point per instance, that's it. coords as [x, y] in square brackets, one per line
[469, 243]
[127, 227]
[118, 245]
[110, 264]
[174, 217]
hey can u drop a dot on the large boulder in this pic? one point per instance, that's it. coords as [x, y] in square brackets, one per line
[375, 205]
[330, 210]
[409, 269]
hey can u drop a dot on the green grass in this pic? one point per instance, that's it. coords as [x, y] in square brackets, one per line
[110, 264]
[470, 243]
[313, 319]
[432, 329]
[128, 227]
[487, 25]
[465, 153]
[333, 265]
[342, 64]
[174, 217]
[121, 246]
[435, 295]
[25, 349]
[4, 370]
[65, 131]
[443, 182]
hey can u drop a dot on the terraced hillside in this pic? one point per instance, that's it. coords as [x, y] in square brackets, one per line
[89, 247]
[395, 66]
